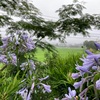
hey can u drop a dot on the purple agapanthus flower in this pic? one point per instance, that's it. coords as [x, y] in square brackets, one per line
[97, 45]
[85, 69]
[30, 92]
[75, 75]
[5, 43]
[47, 88]
[32, 65]
[24, 36]
[88, 52]
[17, 42]
[94, 67]
[71, 95]
[78, 84]
[3, 59]
[95, 58]
[82, 94]
[14, 59]
[98, 84]
[4, 46]
[5, 40]
[28, 43]
[23, 65]
[30, 46]
[88, 62]
[23, 92]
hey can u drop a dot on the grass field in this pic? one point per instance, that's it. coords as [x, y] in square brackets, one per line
[62, 51]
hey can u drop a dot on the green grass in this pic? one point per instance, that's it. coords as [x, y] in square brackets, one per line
[62, 51]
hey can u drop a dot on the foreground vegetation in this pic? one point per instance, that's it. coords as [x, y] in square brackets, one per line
[60, 75]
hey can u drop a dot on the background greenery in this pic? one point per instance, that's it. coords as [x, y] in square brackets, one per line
[62, 51]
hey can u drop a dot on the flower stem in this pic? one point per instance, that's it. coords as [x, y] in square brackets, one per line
[95, 90]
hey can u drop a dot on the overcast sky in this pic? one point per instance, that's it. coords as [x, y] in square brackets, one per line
[48, 9]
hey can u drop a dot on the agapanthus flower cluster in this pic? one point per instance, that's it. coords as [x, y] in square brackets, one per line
[8, 59]
[87, 73]
[26, 94]
[71, 95]
[5, 41]
[22, 41]
[29, 66]
[25, 43]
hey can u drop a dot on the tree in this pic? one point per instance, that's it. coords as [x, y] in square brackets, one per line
[73, 20]
[90, 45]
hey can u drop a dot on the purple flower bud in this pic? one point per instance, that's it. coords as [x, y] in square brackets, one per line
[17, 42]
[4, 46]
[31, 91]
[98, 84]
[14, 59]
[75, 75]
[77, 84]
[85, 69]
[97, 45]
[87, 64]
[3, 59]
[30, 46]
[88, 52]
[5, 40]
[83, 98]
[46, 87]
[71, 95]
[23, 93]
[24, 36]
[32, 65]
[82, 94]
[23, 65]
[94, 67]
[94, 56]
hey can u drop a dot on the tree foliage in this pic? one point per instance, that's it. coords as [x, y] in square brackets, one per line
[29, 20]
[73, 20]
[90, 45]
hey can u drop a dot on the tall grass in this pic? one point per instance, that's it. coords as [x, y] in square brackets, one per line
[59, 70]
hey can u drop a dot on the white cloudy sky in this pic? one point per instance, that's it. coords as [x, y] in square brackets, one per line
[48, 8]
